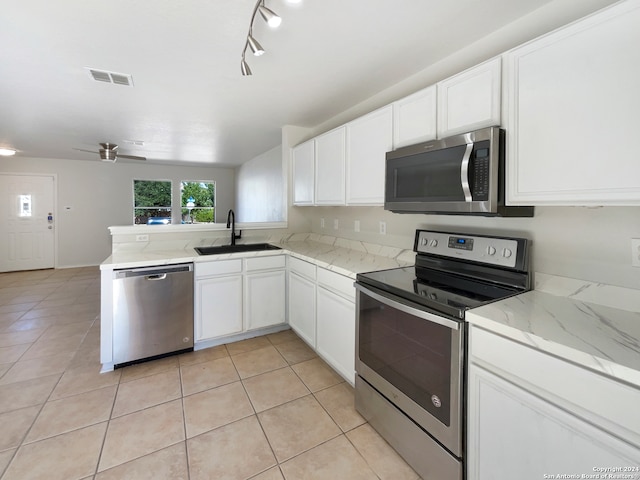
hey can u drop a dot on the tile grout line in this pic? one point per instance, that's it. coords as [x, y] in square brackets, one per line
[184, 421]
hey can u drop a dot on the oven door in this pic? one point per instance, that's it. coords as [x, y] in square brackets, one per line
[415, 359]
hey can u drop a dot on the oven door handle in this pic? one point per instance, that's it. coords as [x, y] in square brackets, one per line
[445, 322]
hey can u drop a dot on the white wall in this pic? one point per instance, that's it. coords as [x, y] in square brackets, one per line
[101, 195]
[259, 187]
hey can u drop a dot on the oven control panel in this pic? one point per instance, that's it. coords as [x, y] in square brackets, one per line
[484, 249]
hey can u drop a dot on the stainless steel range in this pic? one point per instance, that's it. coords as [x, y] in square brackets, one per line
[412, 337]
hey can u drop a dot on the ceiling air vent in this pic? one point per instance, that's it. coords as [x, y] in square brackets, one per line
[110, 77]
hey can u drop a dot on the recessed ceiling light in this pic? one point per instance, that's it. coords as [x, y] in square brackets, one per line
[7, 152]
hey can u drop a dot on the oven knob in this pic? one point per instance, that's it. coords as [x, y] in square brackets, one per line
[506, 253]
[491, 250]
[434, 243]
[436, 401]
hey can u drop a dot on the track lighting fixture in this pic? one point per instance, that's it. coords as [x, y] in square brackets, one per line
[272, 19]
[269, 16]
[256, 48]
[244, 67]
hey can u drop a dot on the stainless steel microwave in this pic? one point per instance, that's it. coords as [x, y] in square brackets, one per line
[462, 174]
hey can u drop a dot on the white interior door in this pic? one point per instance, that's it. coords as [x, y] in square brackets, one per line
[26, 222]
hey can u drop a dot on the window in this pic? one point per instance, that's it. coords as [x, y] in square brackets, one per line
[152, 202]
[198, 201]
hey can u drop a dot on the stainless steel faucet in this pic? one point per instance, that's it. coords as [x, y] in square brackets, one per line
[231, 222]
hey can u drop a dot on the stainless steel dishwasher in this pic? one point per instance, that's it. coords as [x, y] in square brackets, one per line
[152, 312]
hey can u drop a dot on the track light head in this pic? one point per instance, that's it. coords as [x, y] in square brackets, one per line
[244, 68]
[256, 48]
[270, 17]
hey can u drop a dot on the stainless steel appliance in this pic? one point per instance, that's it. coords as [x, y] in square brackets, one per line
[411, 342]
[152, 312]
[462, 174]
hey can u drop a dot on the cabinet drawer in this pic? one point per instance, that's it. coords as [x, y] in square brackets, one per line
[337, 283]
[218, 267]
[265, 263]
[596, 398]
[302, 268]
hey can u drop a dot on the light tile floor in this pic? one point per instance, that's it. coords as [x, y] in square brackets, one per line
[266, 408]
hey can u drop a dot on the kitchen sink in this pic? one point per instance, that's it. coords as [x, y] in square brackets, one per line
[244, 247]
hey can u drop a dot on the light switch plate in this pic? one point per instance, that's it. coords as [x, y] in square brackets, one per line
[383, 228]
[356, 226]
[335, 223]
[635, 252]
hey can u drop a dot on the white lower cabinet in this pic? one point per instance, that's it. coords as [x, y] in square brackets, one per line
[239, 295]
[264, 299]
[516, 434]
[336, 322]
[302, 307]
[218, 309]
[521, 426]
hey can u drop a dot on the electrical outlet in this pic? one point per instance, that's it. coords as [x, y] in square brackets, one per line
[356, 226]
[335, 223]
[383, 228]
[635, 252]
[142, 238]
[322, 223]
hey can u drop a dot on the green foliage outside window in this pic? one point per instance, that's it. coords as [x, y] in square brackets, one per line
[151, 199]
[203, 195]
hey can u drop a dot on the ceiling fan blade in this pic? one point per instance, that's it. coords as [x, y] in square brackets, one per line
[83, 150]
[131, 157]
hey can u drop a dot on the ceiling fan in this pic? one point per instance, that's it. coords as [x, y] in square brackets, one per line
[108, 153]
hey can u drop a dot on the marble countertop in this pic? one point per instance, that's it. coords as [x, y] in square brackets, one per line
[559, 321]
[345, 257]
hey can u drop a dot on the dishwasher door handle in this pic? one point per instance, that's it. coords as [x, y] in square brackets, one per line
[160, 276]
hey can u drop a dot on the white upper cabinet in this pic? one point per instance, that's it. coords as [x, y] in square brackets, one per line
[369, 138]
[572, 113]
[414, 118]
[303, 159]
[470, 100]
[330, 167]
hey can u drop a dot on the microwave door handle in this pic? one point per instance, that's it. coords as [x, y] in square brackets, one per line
[464, 173]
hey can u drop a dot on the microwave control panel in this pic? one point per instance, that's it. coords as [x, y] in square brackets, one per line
[480, 174]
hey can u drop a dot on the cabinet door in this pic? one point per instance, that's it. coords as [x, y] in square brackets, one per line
[515, 434]
[369, 138]
[302, 307]
[264, 299]
[303, 158]
[218, 306]
[330, 168]
[470, 100]
[336, 332]
[414, 118]
[572, 113]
